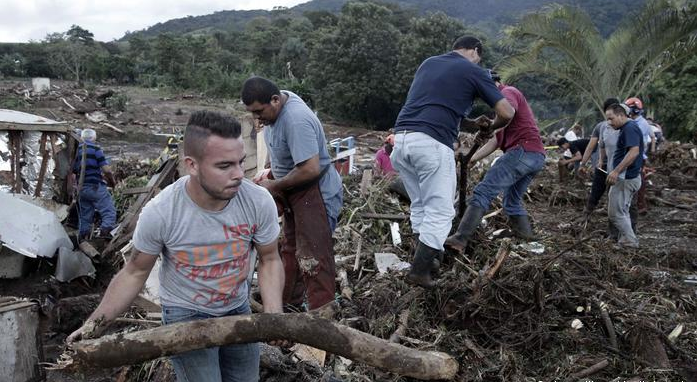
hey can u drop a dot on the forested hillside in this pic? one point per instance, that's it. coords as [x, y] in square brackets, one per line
[488, 15]
[356, 65]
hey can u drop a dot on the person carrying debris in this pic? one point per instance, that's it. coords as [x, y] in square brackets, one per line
[304, 181]
[624, 179]
[523, 158]
[441, 94]
[577, 148]
[91, 169]
[204, 225]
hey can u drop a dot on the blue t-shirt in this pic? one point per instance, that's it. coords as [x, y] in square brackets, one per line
[297, 136]
[94, 160]
[630, 136]
[442, 93]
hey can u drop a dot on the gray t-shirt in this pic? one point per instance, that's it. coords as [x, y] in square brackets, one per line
[297, 136]
[607, 139]
[205, 254]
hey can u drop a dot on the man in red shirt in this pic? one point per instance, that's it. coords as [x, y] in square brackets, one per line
[524, 157]
[383, 164]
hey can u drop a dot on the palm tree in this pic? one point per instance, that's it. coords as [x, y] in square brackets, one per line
[564, 46]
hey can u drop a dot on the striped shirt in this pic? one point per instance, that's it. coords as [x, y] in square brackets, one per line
[94, 161]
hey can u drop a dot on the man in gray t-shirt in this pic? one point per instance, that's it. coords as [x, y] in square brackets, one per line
[306, 184]
[204, 226]
[606, 138]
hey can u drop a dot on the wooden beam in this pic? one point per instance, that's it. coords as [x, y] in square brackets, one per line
[136, 190]
[62, 128]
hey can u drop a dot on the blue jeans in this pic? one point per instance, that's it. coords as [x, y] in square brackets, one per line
[427, 168]
[511, 174]
[230, 363]
[96, 197]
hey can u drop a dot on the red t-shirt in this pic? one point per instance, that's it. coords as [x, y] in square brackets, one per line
[522, 131]
[383, 164]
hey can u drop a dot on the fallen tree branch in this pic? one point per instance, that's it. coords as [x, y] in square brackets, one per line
[136, 347]
[591, 370]
[402, 328]
[479, 283]
[369, 215]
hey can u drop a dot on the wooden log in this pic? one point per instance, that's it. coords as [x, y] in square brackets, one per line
[44, 165]
[136, 347]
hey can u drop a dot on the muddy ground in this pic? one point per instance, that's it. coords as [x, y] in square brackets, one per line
[516, 327]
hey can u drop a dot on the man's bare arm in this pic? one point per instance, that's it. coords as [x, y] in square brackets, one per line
[271, 277]
[122, 290]
[300, 174]
[589, 150]
[504, 114]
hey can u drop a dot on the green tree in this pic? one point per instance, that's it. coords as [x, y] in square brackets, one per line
[12, 65]
[672, 97]
[564, 46]
[428, 36]
[71, 51]
[352, 67]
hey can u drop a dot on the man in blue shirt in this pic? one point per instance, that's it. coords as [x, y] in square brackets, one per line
[440, 96]
[92, 190]
[625, 179]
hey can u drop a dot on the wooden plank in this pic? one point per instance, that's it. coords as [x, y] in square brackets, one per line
[130, 218]
[366, 181]
[116, 129]
[47, 128]
[368, 215]
[44, 165]
[136, 190]
[16, 143]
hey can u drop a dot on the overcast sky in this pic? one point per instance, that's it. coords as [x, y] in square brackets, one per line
[24, 20]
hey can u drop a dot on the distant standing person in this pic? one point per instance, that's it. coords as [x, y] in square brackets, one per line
[440, 96]
[636, 110]
[600, 138]
[94, 195]
[383, 164]
[624, 179]
[307, 185]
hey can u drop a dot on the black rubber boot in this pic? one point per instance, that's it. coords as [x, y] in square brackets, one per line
[420, 273]
[520, 224]
[437, 261]
[470, 221]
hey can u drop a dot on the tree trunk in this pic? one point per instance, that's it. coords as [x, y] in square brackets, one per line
[136, 347]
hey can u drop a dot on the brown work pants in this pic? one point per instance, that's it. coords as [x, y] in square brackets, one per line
[307, 250]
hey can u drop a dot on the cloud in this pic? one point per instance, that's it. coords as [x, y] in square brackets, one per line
[21, 21]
